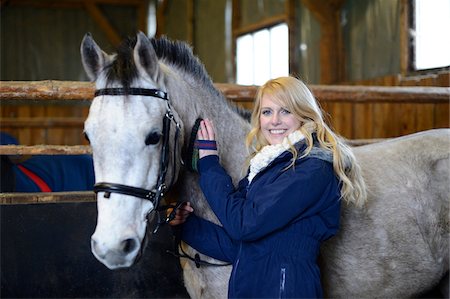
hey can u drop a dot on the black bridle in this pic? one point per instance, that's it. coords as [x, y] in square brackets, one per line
[157, 193]
[155, 197]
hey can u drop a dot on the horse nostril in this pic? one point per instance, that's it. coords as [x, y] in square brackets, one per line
[129, 245]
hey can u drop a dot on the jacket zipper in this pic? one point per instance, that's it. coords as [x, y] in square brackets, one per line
[282, 282]
[233, 273]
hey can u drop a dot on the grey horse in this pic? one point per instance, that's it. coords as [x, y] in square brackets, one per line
[396, 246]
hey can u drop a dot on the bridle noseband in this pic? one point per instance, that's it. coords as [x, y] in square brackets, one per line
[153, 196]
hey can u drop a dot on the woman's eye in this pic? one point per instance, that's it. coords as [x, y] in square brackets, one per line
[284, 111]
[265, 112]
[152, 138]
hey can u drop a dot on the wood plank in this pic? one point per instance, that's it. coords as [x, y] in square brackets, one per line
[42, 122]
[442, 115]
[83, 91]
[342, 119]
[267, 22]
[46, 197]
[362, 120]
[45, 150]
[406, 115]
[424, 117]
[380, 119]
[25, 134]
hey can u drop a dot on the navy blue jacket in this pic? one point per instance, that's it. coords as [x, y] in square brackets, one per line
[272, 228]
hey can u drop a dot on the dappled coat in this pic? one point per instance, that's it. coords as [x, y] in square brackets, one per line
[272, 227]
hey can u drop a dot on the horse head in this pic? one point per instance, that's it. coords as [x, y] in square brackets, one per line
[135, 138]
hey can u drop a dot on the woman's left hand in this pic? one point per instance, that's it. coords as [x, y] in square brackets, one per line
[181, 214]
[206, 132]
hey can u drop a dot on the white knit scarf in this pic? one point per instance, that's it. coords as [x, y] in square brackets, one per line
[269, 152]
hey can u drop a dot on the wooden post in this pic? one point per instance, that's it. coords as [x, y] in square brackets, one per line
[327, 12]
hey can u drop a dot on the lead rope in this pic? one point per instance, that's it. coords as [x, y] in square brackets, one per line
[196, 259]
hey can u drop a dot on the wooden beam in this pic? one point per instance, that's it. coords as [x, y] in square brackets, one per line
[112, 35]
[82, 91]
[404, 37]
[68, 3]
[91, 7]
[161, 11]
[41, 122]
[142, 16]
[46, 90]
[32, 150]
[45, 150]
[46, 197]
[294, 56]
[267, 22]
[331, 44]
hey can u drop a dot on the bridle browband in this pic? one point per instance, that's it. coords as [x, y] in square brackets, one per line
[132, 91]
[155, 195]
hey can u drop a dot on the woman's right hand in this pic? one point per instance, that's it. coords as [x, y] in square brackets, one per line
[181, 214]
[206, 132]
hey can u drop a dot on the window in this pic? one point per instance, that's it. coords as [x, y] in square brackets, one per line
[431, 39]
[262, 55]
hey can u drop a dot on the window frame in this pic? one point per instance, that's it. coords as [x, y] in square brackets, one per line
[408, 63]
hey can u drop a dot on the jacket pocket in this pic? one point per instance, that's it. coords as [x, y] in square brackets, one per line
[282, 283]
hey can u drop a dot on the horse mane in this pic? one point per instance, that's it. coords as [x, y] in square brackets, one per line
[176, 53]
[179, 54]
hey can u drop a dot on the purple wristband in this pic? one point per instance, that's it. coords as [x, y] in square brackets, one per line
[206, 145]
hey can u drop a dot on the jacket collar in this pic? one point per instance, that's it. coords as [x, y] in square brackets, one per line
[270, 152]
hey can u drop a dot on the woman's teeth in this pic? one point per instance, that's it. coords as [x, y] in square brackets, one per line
[277, 131]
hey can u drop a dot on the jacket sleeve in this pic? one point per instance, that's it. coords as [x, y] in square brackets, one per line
[294, 194]
[209, 239]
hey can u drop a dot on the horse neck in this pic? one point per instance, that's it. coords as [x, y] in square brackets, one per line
[192, 100]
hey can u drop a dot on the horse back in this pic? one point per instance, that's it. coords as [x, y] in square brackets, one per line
[399, 241]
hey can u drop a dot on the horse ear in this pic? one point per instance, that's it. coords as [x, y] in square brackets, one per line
[145, 57]
[92, 56]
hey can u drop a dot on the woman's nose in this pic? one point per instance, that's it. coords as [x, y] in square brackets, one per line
[275, 119]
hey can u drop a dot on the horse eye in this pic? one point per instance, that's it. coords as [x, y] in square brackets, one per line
[152, 138]
[86, 137]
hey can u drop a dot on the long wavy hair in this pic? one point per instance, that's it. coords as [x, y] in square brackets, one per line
[294, 96]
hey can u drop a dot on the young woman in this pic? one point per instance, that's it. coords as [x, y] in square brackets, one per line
[286, 206]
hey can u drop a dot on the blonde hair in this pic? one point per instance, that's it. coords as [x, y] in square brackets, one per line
[294, 95]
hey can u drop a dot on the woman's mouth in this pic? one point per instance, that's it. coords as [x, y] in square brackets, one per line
[277, 131]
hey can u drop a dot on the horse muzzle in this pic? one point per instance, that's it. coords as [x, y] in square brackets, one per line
[120, 254]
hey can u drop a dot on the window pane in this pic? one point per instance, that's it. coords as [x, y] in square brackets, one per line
[244, 60]
[261, 56]
[279, 56]
[432, 45]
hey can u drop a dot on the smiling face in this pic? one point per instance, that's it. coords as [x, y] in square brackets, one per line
[276, 121]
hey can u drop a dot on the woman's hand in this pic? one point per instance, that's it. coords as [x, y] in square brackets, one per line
[181, 214]
[206, 132]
